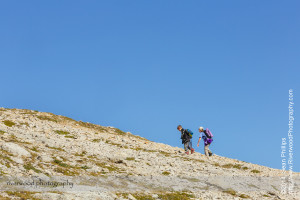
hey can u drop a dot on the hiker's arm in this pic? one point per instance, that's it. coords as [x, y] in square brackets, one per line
[198, 141]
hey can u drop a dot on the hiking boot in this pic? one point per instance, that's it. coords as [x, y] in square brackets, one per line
[192, 151]
[210, 153]
[187, 153]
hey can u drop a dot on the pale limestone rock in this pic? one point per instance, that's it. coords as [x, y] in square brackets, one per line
[15, 149]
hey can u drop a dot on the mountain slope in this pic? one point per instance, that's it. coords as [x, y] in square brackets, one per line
[55, 157]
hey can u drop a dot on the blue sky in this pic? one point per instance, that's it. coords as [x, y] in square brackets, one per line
[147, 66]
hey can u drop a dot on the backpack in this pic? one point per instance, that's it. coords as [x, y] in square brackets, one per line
[208, 133]
[190, 132]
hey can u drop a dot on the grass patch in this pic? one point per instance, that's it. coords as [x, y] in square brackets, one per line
[96, 140]
[165, 153]
[83, 153]
[60, 163]
[217, 164]
[230, 191]
[255, 171]
[176, 196]
[140, 196]
[109, 167]
[245, 168]
[62, 132]
[70, 136]
[65, 171]
[22, 194]
[30, 167]
[227, 166]
[165, 173]
[13, 138]
[56, 148]
[119, 132]
[237, 166]
[51, 119]
[2, 132]
[85, 167]
[244, 196]
[265, 195]
[25, 123]
[34, 149]
[130, 158]
[9, 123]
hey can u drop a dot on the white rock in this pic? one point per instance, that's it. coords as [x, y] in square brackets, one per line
[15, 149]
[18, 160]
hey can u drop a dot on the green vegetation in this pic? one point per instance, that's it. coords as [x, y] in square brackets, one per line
[62, 132]
[111, 168]
[65, 171]
[227, 165]
[25, 123]
[141, 196]
[217, 164]
[29, 166]
[60, 163]
[22, 194]
[162, 196]
[41, 117]
[165, 173]
[130, 158]
[192, 159]
[265, 195]
[25, 111]
[165, 153]
[70, 136]
[244, 196]
[13, 138]
[237, 166]
[176, 196]
[245, 168]
[9, 123]
[2, 132]
[56, 148]
[119, 132]
[230, 191]
[116, 144]
[35, 149]
[255, 171]
[96, 140]
[4, 159]
[83, 153]
[85, 167]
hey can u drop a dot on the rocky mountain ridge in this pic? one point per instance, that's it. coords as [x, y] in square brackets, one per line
[47, 156]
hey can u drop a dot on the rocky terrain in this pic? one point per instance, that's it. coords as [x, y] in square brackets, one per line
[46, 156]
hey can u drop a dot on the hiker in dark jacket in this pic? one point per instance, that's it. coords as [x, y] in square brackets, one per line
[207, 138]
[186, 140]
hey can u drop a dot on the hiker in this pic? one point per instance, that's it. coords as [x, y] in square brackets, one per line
[186, 137]
[207, 138]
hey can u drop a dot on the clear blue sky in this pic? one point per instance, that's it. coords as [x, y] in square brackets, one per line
[147, 66]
